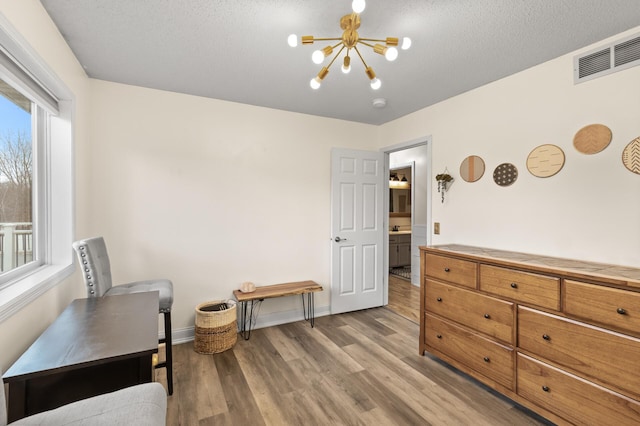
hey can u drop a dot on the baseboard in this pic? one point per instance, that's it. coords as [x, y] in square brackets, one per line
[184, 335]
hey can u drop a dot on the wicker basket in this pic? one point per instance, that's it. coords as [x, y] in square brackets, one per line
[216, 331]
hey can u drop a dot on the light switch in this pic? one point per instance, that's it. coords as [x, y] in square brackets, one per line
[436, 228]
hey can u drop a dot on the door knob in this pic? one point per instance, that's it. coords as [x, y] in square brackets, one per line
[338, 239]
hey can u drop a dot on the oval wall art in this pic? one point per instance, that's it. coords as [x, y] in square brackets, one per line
[592, 139]
[545, 160]
[505, 174]
[472, 168]
[631, 156]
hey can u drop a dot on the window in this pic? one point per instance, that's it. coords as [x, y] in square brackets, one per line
[36, 175]
[16, 183]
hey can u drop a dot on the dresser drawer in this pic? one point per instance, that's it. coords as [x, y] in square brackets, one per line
[608, 358]
[573, 399]
[486, 314]
[488, 358]
[525, 287]
[618, 309]
[458, 271]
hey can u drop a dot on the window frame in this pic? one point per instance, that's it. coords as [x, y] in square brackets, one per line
[53, 172]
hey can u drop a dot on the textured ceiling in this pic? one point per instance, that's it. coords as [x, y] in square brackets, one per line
[237, 50]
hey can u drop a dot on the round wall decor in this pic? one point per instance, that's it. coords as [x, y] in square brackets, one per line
[472, 168]
[631, 156]
[592, 139]
[505, 174]
[545, 160]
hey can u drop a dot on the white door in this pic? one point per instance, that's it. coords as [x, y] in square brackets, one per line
[357, 204]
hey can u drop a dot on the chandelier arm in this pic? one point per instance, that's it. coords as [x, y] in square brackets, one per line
[327, 39]
[361, 58]
[372, 39]
[366, 44]
[335, 56]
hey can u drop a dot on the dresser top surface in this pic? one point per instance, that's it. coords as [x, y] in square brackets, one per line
[570, 268]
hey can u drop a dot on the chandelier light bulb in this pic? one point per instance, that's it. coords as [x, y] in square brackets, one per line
[376, 83]
[315, 83]
[346, 65]
[358, 5]
[391, 54]
[292, 40]
[317, 57]
[406, 43]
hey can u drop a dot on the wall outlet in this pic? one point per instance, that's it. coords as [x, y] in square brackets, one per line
[436, 228]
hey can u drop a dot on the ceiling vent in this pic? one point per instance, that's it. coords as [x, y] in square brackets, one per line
[604, 60]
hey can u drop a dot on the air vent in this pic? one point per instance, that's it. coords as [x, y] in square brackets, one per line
[605, 60]
[627, 52]
[594, 63]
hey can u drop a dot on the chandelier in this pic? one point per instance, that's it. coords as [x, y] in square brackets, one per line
[349, 41]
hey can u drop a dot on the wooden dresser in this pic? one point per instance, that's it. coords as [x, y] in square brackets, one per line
[561, 337]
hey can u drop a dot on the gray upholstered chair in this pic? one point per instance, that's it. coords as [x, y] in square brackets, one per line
[96, 272]
[138, 405]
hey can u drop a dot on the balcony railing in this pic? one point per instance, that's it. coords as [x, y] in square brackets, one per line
[16, 245]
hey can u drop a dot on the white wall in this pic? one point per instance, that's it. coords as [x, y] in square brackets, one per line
[211, 193]
[30, 20]
[588, 211]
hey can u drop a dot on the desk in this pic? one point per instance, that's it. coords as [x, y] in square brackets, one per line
[275, 290]
[95, 346]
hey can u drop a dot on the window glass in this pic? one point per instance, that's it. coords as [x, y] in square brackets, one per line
[16, 172]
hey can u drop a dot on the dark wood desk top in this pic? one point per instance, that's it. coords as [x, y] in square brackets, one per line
[92, 332]
[278, 290]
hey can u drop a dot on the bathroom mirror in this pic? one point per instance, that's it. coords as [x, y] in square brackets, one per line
[400, 202]
[400, 193]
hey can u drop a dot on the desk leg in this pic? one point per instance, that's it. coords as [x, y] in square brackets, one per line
[311, 306]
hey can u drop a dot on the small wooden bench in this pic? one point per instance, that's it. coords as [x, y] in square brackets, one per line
[271, 291]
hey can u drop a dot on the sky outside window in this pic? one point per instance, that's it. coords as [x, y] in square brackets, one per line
[14, 119]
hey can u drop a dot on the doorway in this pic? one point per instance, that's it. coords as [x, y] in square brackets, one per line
[400, 211]
[408, 204]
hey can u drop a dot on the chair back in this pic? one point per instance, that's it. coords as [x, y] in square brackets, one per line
[94, 264]
[3, 404]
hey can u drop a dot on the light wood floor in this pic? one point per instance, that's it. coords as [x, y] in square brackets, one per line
[359, 368]
[404, 298]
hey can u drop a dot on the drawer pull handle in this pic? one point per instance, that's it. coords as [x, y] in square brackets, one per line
[439, 299]
[545, 388]
[487, 316]
[447, 269]
[621, 311]
[546, 337]
[486, 359]
[439, 336]
[514, 285]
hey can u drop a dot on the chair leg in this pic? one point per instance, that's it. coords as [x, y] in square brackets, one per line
[169, 351]
[168, 363]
